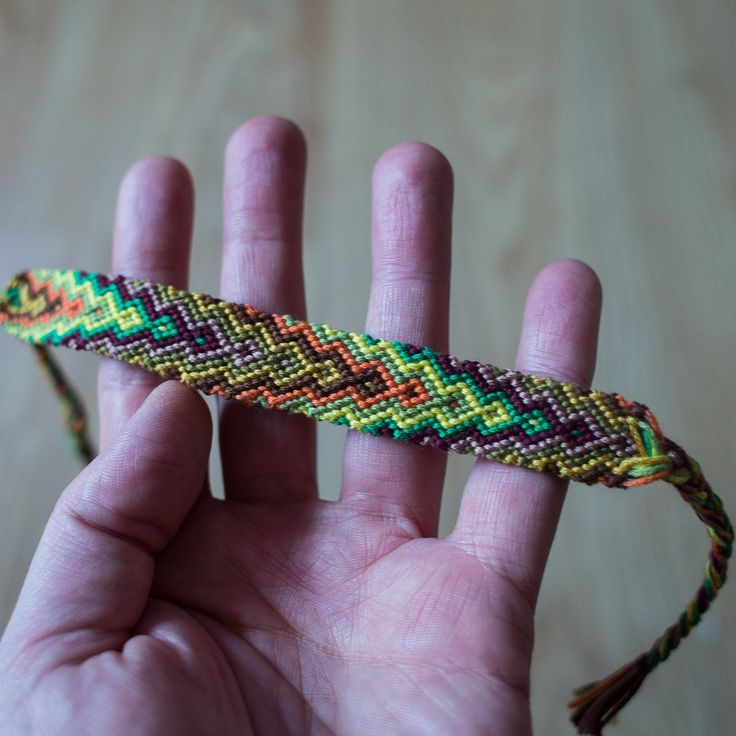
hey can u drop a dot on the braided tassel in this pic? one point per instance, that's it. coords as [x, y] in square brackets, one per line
[596, 703]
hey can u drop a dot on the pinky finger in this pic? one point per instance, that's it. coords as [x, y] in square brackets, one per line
[508, 515]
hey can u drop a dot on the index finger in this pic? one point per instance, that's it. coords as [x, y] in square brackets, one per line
[152, 240]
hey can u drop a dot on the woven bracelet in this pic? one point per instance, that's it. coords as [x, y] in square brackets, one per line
[383, 387]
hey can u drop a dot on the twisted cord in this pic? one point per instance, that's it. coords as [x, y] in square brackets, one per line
[75, 416]
[708, 507]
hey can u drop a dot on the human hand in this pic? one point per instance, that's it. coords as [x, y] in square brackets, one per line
[153, 608]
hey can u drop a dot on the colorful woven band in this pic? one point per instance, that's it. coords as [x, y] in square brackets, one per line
[383, 387]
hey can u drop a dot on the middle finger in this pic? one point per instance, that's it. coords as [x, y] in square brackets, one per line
[266, 455]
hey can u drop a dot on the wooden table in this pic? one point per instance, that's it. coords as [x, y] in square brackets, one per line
[602, 131]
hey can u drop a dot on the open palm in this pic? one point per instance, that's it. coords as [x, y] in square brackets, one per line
[153, 608]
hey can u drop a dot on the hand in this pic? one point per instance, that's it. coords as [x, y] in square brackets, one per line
[153, 608]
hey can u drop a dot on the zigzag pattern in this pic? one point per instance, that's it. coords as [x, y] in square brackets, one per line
[371, 385]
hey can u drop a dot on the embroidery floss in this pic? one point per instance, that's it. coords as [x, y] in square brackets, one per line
[383, 387]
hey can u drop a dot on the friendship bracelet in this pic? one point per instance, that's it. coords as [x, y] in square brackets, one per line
[383, 387]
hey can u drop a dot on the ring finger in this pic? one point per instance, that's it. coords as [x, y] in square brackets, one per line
[412, 218]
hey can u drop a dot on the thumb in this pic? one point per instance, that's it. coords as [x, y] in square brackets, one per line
[91, 575]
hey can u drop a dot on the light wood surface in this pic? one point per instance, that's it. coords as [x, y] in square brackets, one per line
[602, 131]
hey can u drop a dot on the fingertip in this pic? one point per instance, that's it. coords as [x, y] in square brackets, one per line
[413, 163]
[561, 318]
[179, 413]
[168, 177]
[411, 224]
[566, 276]
[171, 431]
[266, 133]
[153, 221]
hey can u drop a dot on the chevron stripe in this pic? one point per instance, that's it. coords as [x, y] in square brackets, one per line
[383, 387]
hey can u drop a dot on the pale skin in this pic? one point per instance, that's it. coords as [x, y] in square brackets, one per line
[153, 608]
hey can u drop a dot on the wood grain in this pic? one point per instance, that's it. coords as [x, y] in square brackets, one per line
[602, 131]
